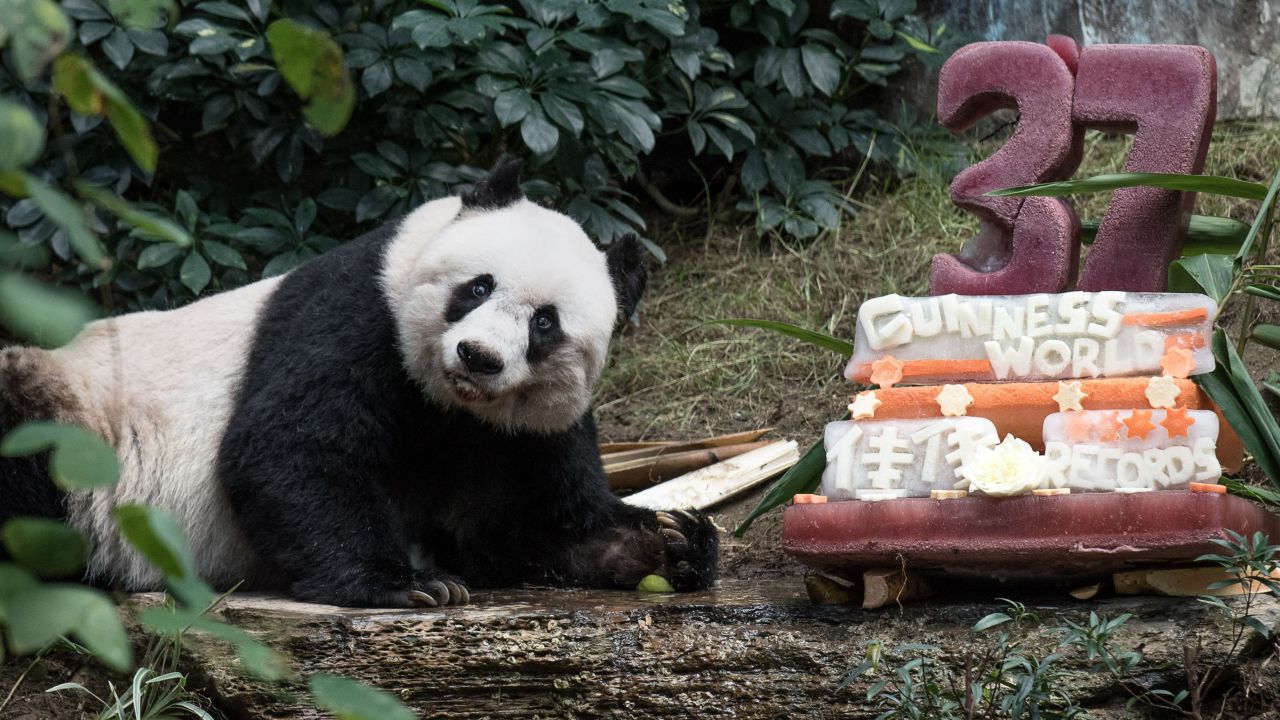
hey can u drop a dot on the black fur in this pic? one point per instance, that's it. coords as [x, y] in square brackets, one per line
[464, 298]
[336, 465]
[626, 268]
[499, 189]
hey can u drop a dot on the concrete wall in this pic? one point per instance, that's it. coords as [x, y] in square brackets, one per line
[1243, 36]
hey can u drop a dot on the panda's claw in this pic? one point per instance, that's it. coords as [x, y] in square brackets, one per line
[675, 538]
[688, 515]
[667, 520]
[458, 594]
[417, 597]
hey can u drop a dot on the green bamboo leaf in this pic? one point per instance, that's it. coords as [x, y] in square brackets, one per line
[351, 700]
[1269, 292]
[154, 226]
[822, 340]
[70, 216]
[46, 546]
[1230, 386]
[156, 534]
[1212, 184]
[1268, 335]
[256, 657]
[1272, 383]
[80, 459]
[917, 43]
[311, 62]
[1206, 235]
[1251, 492]
[1211, 275]
[803, 477]
[89, 92]
[1264, 211]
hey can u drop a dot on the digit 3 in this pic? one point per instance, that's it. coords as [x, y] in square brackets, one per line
[1025, 245]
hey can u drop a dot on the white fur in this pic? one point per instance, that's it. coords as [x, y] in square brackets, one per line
[537, 257]
[160, 387]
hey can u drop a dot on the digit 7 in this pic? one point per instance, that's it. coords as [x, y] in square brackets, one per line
[1025, 244]
[1166, 96]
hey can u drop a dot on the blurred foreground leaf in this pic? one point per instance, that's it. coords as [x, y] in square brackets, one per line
[46, 315]
[351, 700]
[48, 547]
[312, 64]
[80, 459]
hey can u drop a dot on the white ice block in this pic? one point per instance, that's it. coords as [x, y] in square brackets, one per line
[879, 459]
[1095, 450]
[1031, 337]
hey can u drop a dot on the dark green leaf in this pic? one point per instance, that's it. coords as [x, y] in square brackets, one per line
[23, 136]
[563, 112]
[803, 477]
[538, 134]
[511, 106]
[1268, 335]
[351, 700]
[80, 459]
[376, 202]
[1272, 383]
[154, 256]
[118, 48]
[413, 72]
[377, 78]
[45, 546]
[1208, 274]
[311, 62]
[991, 621]
[223, 255]
[195, 272]
[822, 66]
[1210, 184]
[1252, 492]
[43, 314]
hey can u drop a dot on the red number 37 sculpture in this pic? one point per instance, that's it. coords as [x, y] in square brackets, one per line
[1164, 94]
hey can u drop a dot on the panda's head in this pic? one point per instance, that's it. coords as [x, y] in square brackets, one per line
[505, 308]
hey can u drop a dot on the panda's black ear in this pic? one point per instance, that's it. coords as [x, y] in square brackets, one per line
[626, 268]
[498, 189]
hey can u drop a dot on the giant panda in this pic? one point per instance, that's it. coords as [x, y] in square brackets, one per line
[386, 425]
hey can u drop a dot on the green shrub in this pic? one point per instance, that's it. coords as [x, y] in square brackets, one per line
[260, 179]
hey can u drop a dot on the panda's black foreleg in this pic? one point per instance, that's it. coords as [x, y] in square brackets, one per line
[679, 545]
[330, 538]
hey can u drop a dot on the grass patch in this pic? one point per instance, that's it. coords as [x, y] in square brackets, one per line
[673, 377]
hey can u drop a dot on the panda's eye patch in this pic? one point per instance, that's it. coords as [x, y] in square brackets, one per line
[545, 334]
[468, 296]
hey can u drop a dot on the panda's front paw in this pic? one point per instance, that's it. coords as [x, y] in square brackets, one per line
[439, 592]
[691, 548]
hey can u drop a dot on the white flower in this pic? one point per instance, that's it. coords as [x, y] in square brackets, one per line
[1010, 468]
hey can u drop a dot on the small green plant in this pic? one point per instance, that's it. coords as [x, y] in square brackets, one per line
[1001, 676]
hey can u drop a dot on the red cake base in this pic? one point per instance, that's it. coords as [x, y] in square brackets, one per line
[1022, 537]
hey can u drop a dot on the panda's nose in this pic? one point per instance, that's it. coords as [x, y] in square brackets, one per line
[479, 360]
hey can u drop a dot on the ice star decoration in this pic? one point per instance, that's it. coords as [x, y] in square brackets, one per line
[1010, 468]
[1078, 428]
[864, 405]
[1109, 427]
[954, 400]
[1177, 422]
[1139, 424]
[1177, 362]
[1069, 396]
[1161, 392]
[887, 371]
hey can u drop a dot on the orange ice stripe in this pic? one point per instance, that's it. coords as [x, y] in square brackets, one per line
[1167, 319]
[954, 369]
[1208, 487]
[1019, 409]
[807, 499]
[1186, 341]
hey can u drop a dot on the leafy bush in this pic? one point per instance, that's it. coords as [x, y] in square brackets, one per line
[241, 141]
